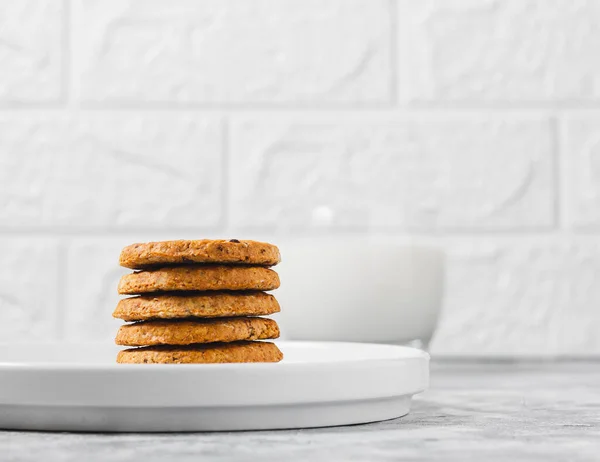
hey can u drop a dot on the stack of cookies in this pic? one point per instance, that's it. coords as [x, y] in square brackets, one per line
[198, 302]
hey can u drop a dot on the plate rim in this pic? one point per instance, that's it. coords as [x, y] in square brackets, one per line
[234, 384]
[408, 354]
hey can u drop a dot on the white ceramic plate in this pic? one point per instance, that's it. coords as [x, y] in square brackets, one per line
[81, 388]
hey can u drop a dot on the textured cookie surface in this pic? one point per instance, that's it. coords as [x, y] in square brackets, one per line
[202, 305]
[138, 256]
[237, 352]
[199, 278]
[186, 332]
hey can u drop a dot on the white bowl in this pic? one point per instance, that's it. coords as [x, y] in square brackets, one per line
[359, 290]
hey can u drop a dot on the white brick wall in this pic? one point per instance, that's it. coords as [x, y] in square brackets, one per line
[91, 278]
[470, 124]
[234, 51]
[401, 173]
[503, 51]
[98, 171]
[581, 135]
[30, 289]
[31, 51]
[526, 296]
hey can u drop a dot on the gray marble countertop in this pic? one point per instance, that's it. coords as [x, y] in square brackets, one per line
[473, 411]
